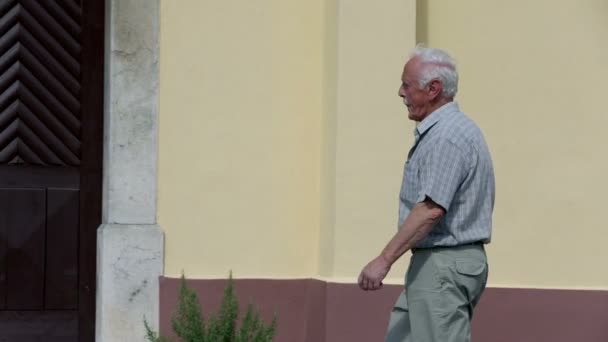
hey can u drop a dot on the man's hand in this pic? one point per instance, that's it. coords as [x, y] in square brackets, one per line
[373, 273]
[416, 226]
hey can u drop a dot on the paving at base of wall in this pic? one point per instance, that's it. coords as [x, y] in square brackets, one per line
[311, 310]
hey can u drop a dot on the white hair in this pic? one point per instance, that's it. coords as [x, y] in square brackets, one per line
[437, 64]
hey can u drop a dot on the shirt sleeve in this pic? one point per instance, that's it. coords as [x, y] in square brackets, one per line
[443, 172]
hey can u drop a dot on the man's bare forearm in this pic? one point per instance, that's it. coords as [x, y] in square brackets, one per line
[416, 226]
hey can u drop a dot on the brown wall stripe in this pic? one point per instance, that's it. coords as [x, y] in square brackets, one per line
[315, 311]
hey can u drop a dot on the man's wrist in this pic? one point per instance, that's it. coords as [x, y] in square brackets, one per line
[386, 257]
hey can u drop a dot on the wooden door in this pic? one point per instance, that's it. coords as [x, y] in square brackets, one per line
[51, 122]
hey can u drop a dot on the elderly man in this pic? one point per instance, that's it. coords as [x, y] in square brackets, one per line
[445, 212]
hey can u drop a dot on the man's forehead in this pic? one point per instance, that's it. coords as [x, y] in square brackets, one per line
[409, 67]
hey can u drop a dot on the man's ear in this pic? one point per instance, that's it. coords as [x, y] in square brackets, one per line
[435, 88]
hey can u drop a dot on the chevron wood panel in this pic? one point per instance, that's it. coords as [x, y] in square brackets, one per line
[40, 90]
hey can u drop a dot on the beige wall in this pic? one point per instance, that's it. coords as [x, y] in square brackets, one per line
[240, 136]
[533, 75]
[372, 134]
[282, 139]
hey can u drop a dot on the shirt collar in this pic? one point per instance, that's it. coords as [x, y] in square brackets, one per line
[435, 116]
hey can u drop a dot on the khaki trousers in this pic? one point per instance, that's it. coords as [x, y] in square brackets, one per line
[443, 286]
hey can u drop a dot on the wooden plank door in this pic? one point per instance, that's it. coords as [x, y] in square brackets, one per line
[51, 128]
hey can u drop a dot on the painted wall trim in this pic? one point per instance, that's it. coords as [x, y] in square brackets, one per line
[310, 310]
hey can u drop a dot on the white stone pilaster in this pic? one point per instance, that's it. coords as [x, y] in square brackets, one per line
[130, 243]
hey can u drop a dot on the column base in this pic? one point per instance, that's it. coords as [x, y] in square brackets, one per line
[129, 264]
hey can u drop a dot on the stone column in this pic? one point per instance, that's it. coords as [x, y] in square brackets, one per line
[130, 243]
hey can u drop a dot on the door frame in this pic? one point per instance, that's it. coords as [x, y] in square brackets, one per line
[91, 179]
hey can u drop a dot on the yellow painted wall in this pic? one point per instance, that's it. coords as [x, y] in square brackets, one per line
[281, 135]
[283, 140]
[372, 134]
[240, 136]
[533, 75]
[329, 124]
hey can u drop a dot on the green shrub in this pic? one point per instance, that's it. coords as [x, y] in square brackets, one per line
[189, 325]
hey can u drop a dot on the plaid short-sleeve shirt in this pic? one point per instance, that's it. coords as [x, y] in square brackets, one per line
[450, 163]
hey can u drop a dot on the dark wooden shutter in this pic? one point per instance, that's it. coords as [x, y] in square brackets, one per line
[50, 161]
[40, 79]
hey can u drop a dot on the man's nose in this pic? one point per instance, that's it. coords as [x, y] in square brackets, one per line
[401, 92]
